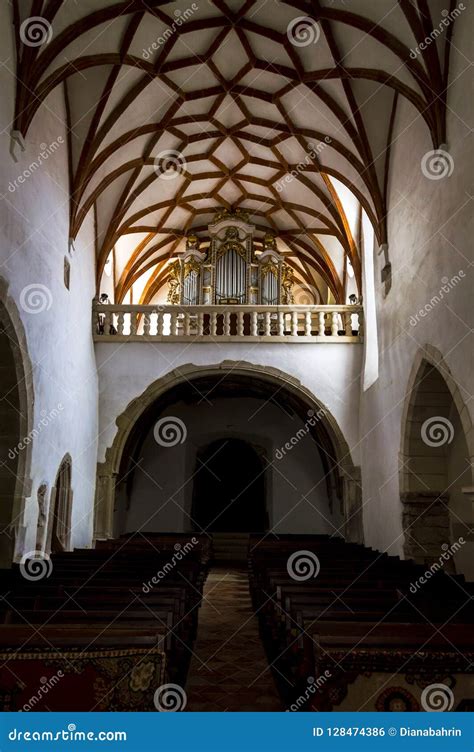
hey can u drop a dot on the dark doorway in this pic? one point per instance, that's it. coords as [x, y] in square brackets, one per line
[229, 488]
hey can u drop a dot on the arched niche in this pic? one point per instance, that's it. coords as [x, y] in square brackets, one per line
[16, 419]
[342, 477]
[60, 509]
[436, 472]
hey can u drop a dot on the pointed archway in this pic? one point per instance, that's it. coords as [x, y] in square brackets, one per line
[16, 418]
[435, 465]
[229, 488]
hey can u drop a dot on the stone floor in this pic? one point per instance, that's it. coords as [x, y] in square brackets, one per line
[228, 643]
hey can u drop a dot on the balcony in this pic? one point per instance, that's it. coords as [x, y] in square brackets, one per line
[231, 323]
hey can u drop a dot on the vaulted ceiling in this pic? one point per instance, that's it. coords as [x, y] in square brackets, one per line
[281, 108]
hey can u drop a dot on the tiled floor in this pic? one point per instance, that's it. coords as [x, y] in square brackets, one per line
[233, 677]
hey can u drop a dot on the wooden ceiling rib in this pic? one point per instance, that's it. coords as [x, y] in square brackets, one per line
[292, 113]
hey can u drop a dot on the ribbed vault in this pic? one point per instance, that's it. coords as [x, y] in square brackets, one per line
[251, 107]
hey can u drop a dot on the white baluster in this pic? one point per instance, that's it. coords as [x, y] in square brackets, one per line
[187, 324]
[334, 324]
[120, 322]
[146, 324]
[268, 322]
[214, 324]
[240, 318]
[254, 324]
[159, 324]
[173, 323]
[322, 324]
[348, 326]
[281, 323]
[200, 324]
[307, 328]
[294, 324]
[133, 323]
[227, 323]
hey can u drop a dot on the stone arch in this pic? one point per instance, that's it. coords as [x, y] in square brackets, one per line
[434, 415]
[60, 509]
[17, 397]
[107, 471]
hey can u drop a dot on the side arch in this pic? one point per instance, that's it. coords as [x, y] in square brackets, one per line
[436, 470]
[16, 382]
[108, 471]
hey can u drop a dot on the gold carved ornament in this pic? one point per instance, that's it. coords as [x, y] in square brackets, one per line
[287, 282]
[174, 283]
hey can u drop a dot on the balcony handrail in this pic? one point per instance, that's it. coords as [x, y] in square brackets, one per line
[222, 308]
[268, 323]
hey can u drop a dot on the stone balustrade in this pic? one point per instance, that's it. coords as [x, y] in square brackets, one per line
[236, 323]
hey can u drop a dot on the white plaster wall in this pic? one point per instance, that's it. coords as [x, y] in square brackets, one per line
[34, 229]
[329, 371]
[430, 238]
[296, 493]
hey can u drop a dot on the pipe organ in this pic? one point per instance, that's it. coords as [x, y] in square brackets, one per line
[232, 271]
